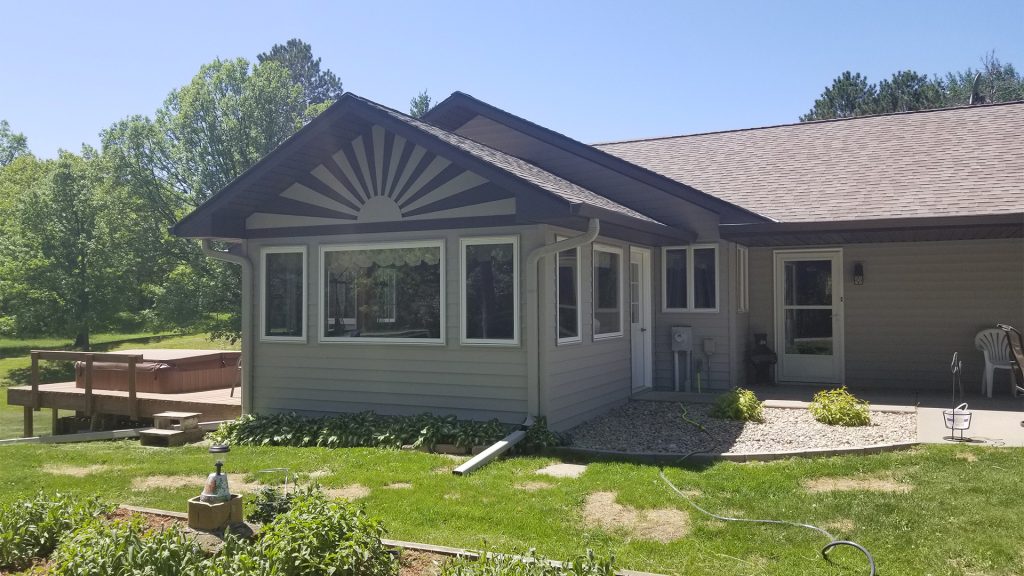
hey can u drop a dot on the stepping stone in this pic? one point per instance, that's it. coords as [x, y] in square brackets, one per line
[561, 470]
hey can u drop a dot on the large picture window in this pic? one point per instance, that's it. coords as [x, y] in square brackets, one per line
[607, 292]
[568, 290]
[690, 278]
[282, 294]
[490, 290]
[383, 292]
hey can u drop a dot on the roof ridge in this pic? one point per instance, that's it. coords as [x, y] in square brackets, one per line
[811, 123]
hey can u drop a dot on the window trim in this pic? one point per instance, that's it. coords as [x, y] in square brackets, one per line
[293, 249]
[463, 325]
[742, 279]
[578, 338]
[429, 243]
[593, 297]
[690, 300]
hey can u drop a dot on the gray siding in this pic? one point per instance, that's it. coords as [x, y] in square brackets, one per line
[478, 382]
[919, 303]
[721, 326]
[581, 380]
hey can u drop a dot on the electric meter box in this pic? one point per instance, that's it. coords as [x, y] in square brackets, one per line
[682, 338]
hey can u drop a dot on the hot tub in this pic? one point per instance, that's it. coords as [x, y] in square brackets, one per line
[166, 371]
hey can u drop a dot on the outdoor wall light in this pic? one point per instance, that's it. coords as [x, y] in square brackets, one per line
[858, 274]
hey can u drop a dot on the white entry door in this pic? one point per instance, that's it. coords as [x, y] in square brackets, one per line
[640, 317]
[809, 315]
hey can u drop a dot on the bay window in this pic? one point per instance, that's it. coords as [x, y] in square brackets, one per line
[390, 292]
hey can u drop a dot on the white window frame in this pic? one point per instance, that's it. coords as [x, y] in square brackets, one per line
[325, 248]
[264, 252]
[578, 338]
[593, 297]
[463, 325]
[690, 300]
[742, 279]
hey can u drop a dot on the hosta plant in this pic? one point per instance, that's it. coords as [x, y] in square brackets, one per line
[838, 407]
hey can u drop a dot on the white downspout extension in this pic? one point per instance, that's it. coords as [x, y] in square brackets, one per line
[247, 332]
[533, 319]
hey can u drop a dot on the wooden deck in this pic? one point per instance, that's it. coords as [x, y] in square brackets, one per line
[212, 404]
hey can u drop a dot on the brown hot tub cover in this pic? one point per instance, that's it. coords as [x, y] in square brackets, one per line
[166, 371]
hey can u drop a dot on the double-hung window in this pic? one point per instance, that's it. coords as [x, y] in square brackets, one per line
[389, 292]
[490, 290]
[282, 294]
[690, 278]
[607, 291]
[567, 290]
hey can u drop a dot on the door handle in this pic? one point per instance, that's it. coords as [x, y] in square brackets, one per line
[643, 329]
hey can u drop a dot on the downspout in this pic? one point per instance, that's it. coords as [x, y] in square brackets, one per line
[247, 332]
[533, 319]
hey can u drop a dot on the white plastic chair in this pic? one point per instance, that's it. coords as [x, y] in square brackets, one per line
[992, 343]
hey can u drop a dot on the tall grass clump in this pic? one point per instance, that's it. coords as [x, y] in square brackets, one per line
[738, 404]
[837, 407]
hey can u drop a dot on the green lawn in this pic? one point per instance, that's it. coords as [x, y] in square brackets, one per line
[961, 515]
[15, 363]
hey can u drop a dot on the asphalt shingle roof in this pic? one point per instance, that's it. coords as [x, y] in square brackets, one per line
[957, 161]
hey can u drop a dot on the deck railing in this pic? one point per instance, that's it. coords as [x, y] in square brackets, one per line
[89, 358]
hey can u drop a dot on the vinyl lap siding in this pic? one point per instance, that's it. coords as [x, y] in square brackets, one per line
[477, 382]
[920, 302]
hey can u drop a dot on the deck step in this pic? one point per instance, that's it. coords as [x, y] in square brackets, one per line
[185, 420]
[167, 437]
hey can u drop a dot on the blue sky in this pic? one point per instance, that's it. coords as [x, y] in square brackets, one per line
[593, 70]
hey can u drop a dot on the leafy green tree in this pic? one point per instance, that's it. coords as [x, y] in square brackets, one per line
[206, 134]
[318, 86]
[74, 258]
[12, 144]
[420, 105]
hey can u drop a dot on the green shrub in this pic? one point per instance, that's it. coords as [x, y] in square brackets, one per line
[539, 436]
[353, 430]
[838, 407]
[123, 548]
[738, 404]
[528, 565]
[270, 502]
[320, 536]
[30, 528]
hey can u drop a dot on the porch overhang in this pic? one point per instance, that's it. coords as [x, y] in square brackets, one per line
[926, 229]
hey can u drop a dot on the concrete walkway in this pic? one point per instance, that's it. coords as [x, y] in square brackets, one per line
[988, 427]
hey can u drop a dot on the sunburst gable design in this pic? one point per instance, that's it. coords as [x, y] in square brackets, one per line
[382, 177]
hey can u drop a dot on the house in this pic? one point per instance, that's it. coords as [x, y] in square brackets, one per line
[475, 263]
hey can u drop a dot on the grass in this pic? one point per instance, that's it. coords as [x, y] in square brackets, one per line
[962, 515]
[14, 368]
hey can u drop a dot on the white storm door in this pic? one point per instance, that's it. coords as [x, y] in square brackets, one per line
[640, 312]
[809, 316]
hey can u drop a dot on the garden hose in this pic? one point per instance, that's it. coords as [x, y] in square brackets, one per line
[833, 542]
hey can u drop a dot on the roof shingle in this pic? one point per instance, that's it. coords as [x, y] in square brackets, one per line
[957, 161]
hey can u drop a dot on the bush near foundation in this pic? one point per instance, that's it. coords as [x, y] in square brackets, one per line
[365, 429]
[738, 404]
[838, 407]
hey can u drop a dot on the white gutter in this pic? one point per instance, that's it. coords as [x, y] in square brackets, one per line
[533, 320]
[247, 332]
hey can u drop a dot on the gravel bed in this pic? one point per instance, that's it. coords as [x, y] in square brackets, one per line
[659, 427]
